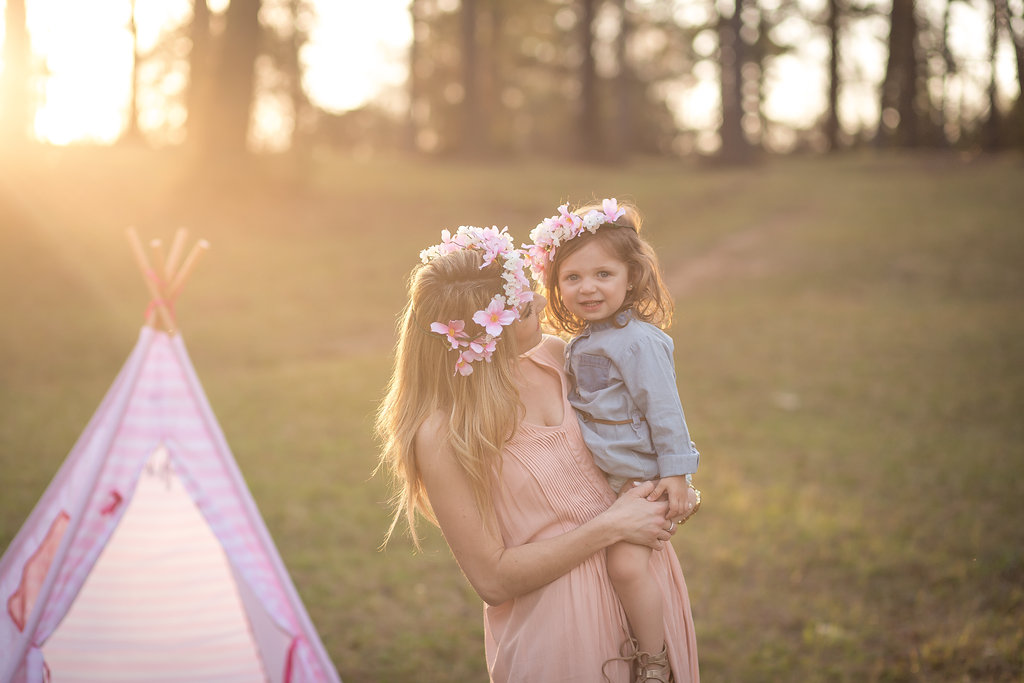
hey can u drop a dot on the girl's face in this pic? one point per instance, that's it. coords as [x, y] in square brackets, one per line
[593, 282]
[527, 328]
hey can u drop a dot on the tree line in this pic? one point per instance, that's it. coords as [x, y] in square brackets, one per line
[583, 79]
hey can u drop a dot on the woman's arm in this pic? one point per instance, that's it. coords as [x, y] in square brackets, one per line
[498, 573]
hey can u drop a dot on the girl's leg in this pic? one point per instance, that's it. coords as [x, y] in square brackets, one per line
[630, 573]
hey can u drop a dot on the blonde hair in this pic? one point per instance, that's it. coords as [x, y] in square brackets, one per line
[482, 409]
[649, 297]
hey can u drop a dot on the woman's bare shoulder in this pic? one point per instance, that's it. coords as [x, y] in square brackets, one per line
[553, 345]
[430, 435]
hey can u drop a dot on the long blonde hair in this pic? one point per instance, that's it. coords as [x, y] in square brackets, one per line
[648, 297]
[482, 408]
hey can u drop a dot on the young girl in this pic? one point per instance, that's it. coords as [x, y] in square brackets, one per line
[604, 286]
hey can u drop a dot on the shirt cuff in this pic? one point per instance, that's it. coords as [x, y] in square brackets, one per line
[678, 464]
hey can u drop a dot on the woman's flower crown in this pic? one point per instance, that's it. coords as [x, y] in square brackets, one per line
[552, 232]
[503, 308]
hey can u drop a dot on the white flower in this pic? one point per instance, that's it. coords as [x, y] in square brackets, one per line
[593, 220]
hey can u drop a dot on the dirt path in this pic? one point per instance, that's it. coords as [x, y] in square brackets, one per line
[746, 254]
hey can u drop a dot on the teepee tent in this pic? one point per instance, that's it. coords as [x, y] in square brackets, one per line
[146, 558]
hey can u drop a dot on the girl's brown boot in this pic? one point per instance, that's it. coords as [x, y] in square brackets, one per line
[653, 668]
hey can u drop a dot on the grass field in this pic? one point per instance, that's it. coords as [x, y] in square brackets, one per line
[850, 348]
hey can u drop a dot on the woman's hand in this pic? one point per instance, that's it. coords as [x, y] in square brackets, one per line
[638, 520]
[498, 572]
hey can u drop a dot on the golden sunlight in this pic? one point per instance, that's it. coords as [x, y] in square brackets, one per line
[85, 50]
[356, 53]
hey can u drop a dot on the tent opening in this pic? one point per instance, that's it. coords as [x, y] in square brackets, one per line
[162, 603]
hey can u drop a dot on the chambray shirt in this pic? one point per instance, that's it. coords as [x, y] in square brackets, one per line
[625, 373]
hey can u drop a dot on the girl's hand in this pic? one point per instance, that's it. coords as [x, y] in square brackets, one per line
[678, 492]
[639, 520]
[692, 503]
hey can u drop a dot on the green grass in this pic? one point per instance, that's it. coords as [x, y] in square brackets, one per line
[850, 347]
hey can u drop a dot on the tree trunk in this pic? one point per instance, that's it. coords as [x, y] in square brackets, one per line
[588, 110]
[132, 133]
[236, 78]
[499, 125]
[471, 141]
[832, 115]
[1017, 37]
[991, 134]
[292, 64]
[735, 147]
[899, 123]
[622, 138]
[757, 55]
[496, 67]
[1016, 119]
[197, 97]
[949, 67]
[15, 87]
[413, 84]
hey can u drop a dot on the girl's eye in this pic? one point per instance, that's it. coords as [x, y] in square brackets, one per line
[604, 273]
[572, 278]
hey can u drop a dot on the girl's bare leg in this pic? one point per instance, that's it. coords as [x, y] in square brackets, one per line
[638, 591]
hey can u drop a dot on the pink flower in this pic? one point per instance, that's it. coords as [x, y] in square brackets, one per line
[448, 243]
[612, 210]
[571, 221]
[494, 317]
[483, 348]
[462, 366]
[537, 257]
[453, 331]
[491, 251]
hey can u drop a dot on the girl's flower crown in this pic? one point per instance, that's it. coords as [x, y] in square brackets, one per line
[552, 232]
[503, 308]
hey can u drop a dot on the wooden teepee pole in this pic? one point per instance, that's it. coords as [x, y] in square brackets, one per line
[177, 280]
[177, 246]
[156, 248]
[166, 281]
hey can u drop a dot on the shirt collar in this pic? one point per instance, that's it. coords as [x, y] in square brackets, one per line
[620, 319]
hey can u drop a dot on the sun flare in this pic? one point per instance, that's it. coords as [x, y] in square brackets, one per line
[85, 51]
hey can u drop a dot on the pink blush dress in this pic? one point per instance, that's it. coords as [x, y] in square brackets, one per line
[566, 630]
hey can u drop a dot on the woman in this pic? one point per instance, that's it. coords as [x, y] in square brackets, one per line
[479, 436]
